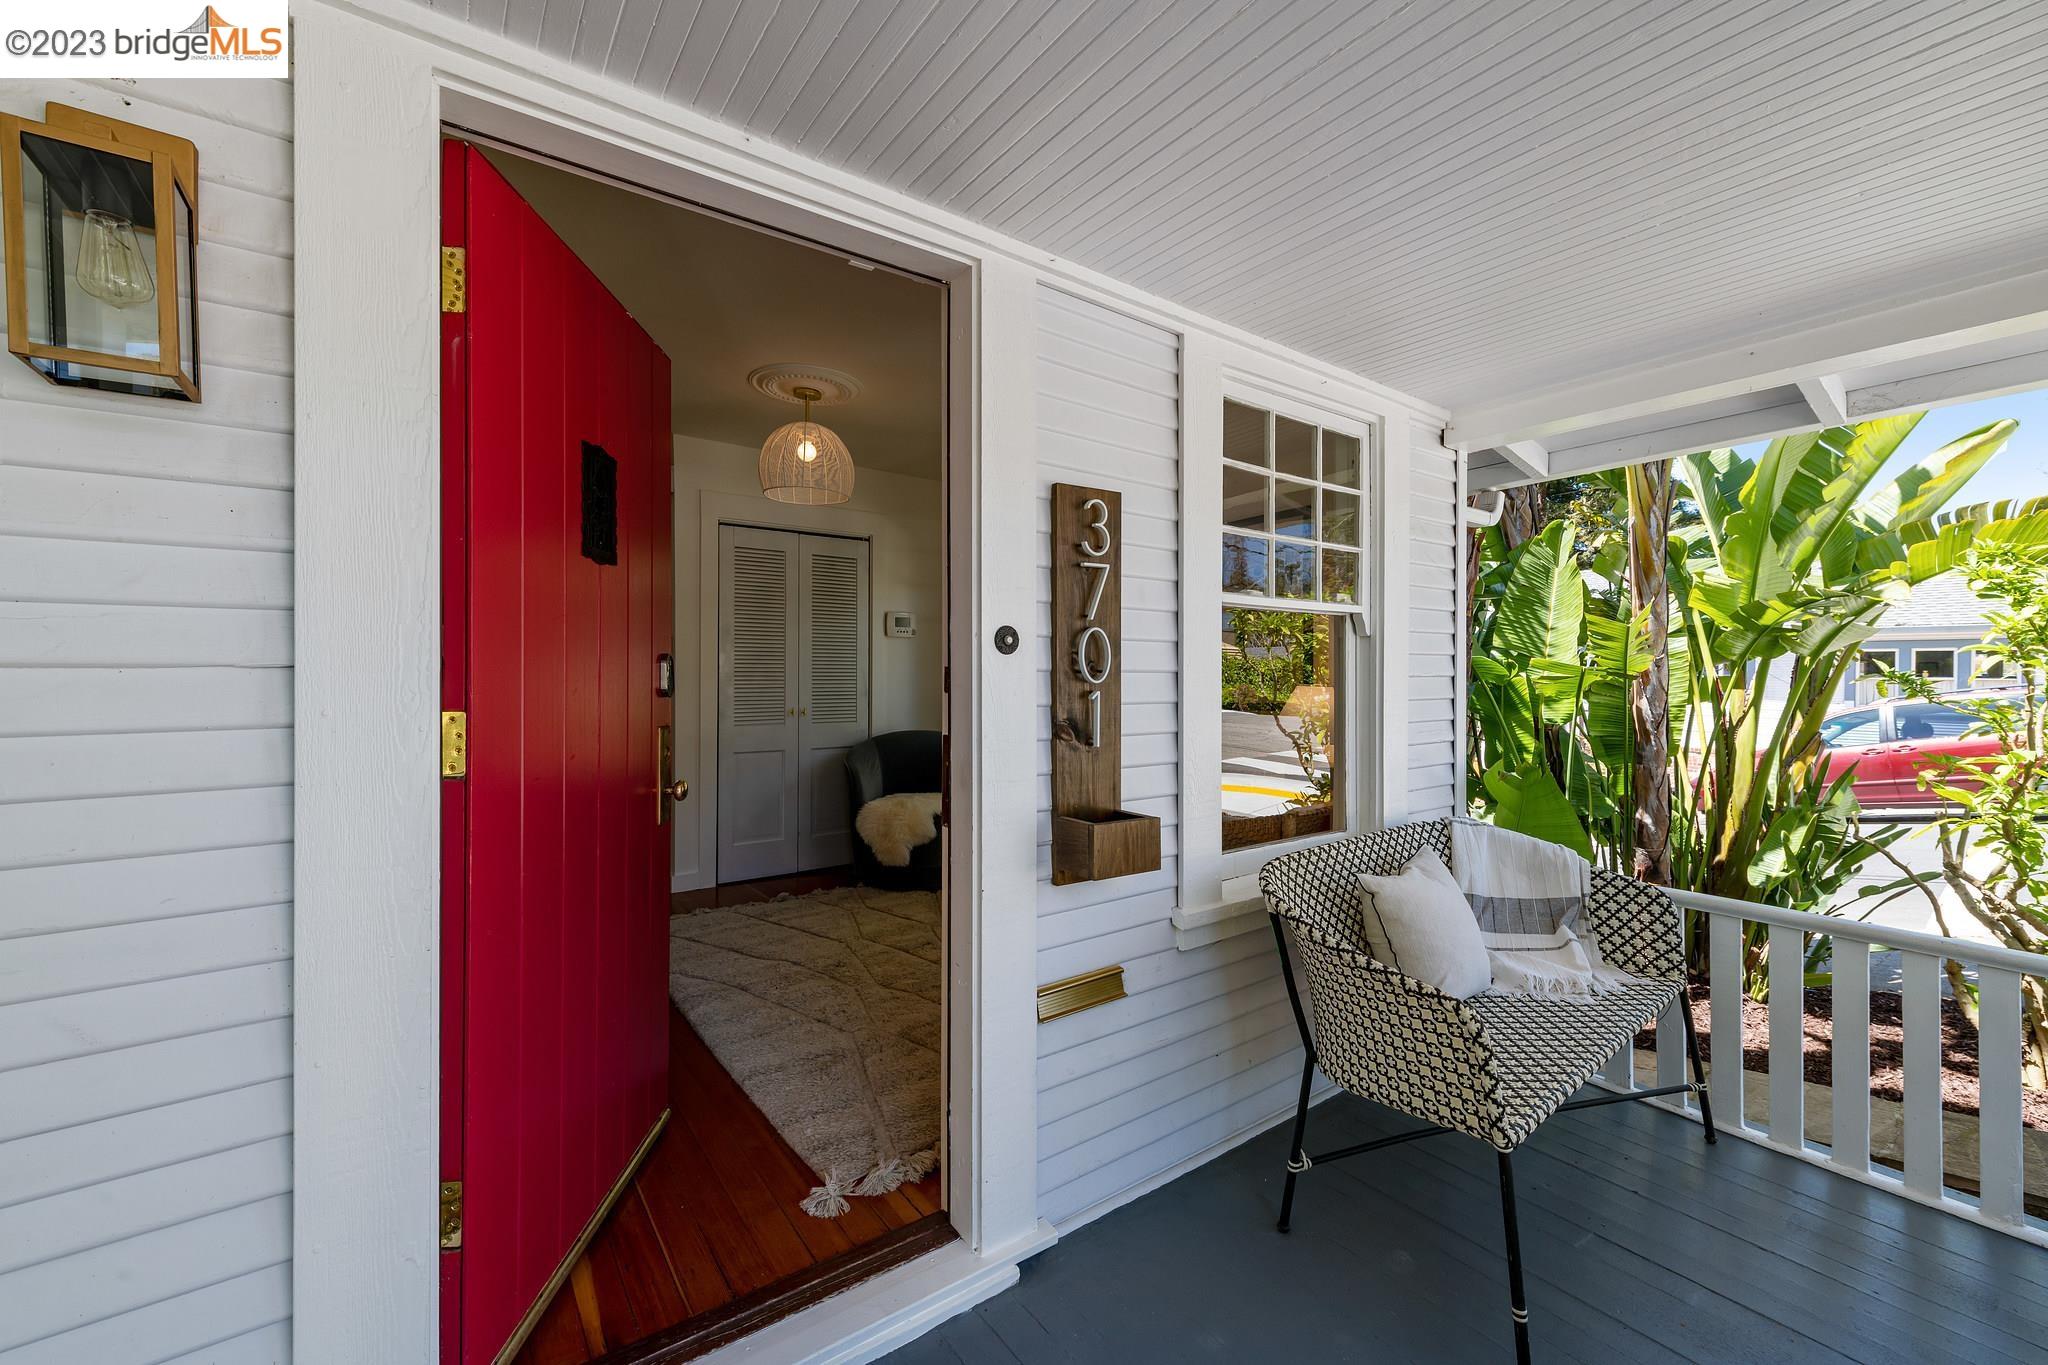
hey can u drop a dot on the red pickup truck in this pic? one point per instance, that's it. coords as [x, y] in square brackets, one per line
[1890, 742]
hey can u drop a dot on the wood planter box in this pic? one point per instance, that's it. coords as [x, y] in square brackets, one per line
[1088, 849]
[1245, 831]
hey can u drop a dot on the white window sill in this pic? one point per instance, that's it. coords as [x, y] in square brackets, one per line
[1200, 926]
[1239, 907]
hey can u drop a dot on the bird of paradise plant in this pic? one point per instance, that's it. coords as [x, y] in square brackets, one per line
[1784, 567]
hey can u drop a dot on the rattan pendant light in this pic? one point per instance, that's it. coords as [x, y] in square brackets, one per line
[804, 462]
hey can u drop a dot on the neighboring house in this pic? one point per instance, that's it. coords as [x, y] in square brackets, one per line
[1286, 282]
[1932, 633]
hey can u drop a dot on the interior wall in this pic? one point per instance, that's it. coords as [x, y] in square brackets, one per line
[898, 513]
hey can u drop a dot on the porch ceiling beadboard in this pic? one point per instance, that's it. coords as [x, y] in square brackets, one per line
[1372, 183]
[145, 800]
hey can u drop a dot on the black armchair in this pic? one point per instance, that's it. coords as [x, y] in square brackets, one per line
[885, 765]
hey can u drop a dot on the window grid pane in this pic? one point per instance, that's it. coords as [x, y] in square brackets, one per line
[1294, 448]
[1245, 563]
[1294, 509]
[1294, 570]
[1245, 495]
[1245, 431]
[1300, 481]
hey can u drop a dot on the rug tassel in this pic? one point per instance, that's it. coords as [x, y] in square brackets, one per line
[882, 1179]
[829, 1199]
[918, 1165]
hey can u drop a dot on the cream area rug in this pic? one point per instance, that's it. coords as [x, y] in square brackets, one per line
[825, 1009]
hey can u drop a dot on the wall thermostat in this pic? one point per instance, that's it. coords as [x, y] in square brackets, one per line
[899, 625]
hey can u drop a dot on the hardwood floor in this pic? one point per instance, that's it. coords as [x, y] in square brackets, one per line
[710, 1224]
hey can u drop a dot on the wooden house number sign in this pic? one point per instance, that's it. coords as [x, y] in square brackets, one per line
[1093, 836]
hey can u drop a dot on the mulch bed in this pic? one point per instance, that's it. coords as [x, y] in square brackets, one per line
[1887, 1072]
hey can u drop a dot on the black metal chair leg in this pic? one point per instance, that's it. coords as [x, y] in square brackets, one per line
[1699, 1075]
[1296, 1162]
[1517, 1302]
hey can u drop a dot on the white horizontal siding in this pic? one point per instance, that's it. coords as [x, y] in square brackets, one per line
[1202, 1046]
[145, 801]
[1435, 619]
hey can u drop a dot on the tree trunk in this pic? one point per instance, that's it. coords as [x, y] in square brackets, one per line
[1649, 539]
[1522, 513]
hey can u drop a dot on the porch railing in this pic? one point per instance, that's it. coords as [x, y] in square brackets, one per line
[2001, 1199]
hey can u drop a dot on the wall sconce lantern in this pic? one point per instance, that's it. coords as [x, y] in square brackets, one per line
[100, 222]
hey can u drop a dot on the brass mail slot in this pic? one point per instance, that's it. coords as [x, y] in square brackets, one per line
[1058, 999]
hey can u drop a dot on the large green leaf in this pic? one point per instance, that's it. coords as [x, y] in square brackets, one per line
[1610, 724]
[1752, 559]
[1545, 602]
[1715, 479]
[1507, 713]
[1680, 698]
[1619, 646]
[1529, 801]
[1926, 488]
[1951, 542]
[1791, 475]
[1557, 685]
[1851, 456]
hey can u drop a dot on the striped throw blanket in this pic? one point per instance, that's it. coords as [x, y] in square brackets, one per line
[1530, 899]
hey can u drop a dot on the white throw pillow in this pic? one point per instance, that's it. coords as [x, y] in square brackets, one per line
[1420, 924]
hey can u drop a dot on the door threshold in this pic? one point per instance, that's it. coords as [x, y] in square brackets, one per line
[792, 1294]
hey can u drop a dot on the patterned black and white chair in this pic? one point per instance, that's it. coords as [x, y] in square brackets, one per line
[1493, 1066]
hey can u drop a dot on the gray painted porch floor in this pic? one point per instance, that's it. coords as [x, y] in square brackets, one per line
[1640, 1243]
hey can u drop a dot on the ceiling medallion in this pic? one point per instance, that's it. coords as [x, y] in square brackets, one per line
[787, 382]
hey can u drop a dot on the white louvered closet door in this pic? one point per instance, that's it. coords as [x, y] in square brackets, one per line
[792, 698]
[832, 712]
[759, 673]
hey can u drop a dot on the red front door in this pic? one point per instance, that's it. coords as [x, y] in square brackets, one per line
[555, 863]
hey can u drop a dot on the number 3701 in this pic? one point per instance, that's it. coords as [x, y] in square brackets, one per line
[1094, 655]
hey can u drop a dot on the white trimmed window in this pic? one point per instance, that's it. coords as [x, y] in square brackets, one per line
[1291, 591]
[1283, 544]
[1936, 665]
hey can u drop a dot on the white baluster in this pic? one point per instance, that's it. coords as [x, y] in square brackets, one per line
[1851, 1087]
[1998, 1095]
[1788, 1037]
[1724, 988]
[1920, 1005]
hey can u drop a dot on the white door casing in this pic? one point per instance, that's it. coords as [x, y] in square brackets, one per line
[758, 663]
[832, 713]
[792, 697]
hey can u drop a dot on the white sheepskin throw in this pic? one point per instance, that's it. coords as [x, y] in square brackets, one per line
[894, 825]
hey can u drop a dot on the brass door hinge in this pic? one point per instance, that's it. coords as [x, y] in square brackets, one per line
[454, 743]
[454, 280]
[451, 1215]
